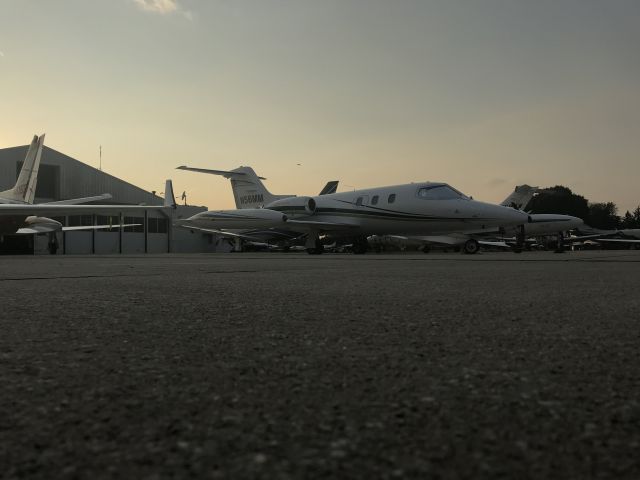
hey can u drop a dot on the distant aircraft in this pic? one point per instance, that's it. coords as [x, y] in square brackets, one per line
[520, 197]
[628, 236]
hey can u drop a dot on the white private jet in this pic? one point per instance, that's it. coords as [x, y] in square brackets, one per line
[412, 209]
[538, 225]
[249, 222]
[409, 209]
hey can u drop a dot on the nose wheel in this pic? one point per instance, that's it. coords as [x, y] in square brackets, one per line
[520, 237]
[560, 243]
[52, 245]
[317, 249]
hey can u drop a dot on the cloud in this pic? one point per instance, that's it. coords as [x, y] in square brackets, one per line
[1, 53]
[163, 7]
[158, 6]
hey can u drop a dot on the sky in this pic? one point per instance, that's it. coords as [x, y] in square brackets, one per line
[481, 94]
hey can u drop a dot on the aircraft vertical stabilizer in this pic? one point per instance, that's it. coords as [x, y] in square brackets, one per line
[169, 197]
[248, 189]
[24, 190]
[520, 197]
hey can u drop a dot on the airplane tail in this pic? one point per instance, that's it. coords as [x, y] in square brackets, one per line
[520, 197]
[329, 188]
[25, 188]
[169, 197]
[248, 189]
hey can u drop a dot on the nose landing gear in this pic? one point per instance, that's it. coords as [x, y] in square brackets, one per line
[52, 245]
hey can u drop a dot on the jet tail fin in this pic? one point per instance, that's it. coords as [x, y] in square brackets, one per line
[248, 189]
[169, 197]
[520, 197]
[330, 187]
[24, 191]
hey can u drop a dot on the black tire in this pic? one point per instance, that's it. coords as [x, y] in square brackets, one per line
[426, 249]
[471, 247]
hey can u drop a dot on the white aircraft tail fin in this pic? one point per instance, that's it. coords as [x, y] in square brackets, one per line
[520, 197]
[24, 191]
[169, 197]
[248, 189]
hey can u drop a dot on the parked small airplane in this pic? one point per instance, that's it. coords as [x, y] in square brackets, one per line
[412, 209]
[19, 215]
[24, 190]
[628, 236]
[503, 236]
[249, 222]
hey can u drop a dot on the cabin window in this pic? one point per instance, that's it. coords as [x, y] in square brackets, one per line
[374, 200]
[392, 198]
[439, 192]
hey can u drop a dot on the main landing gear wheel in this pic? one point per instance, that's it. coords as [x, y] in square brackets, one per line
[471, 246]
[520, 240]
[360, 245]
[317, 250]
[559, 243]
[426, 249]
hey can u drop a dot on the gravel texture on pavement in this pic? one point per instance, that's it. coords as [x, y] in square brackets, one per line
[334, 366]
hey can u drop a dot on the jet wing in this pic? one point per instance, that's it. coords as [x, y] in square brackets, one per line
[35, 229]
[222, 233]
[494, 244]
[321, 225]
[44, 209]
[77, 201]
[616, 240]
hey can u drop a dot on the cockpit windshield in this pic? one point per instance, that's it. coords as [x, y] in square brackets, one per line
[440, 192]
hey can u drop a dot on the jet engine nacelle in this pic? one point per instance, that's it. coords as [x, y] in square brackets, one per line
[294, 206]
[42, 224]
[237, 219]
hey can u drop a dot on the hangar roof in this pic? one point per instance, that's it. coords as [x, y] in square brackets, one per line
[62, 177]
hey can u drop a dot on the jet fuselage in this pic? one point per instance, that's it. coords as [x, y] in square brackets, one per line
[417, 208]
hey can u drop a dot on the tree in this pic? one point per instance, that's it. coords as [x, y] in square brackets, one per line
[628, 221]
[560, 200]
[603, 215]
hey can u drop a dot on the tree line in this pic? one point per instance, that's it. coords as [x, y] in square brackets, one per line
[562, 200]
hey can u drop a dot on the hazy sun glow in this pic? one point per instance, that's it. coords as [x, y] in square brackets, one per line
[483, 95]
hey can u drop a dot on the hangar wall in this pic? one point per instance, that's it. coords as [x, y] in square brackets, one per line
[62, 177]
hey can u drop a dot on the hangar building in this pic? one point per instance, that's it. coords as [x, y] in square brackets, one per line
[62, 177]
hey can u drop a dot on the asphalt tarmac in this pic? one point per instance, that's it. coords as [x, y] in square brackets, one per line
[335, 366]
